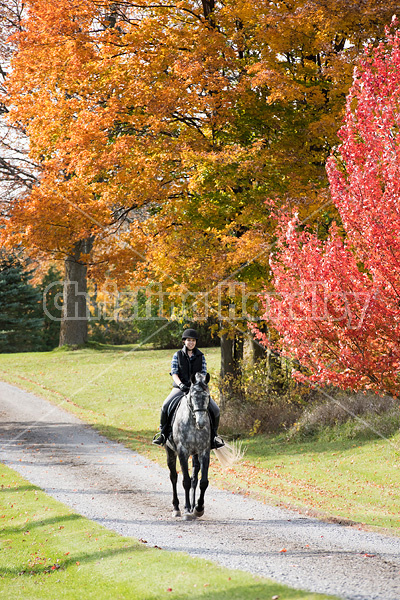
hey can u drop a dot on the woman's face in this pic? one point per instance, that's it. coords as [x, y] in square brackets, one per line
[190, 343]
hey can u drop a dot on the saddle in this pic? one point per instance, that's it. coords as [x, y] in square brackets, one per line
[171, 412]
[175, 402]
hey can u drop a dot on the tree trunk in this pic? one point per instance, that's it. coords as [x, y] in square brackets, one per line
[208, 7]
[226, 368]
[238, 347]
[231, 355]
[256, 351]
[75, 313]
[226, 356]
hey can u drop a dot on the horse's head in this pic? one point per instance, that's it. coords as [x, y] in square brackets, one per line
[199, 399]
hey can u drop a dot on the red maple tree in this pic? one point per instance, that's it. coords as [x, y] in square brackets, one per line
[337, 302]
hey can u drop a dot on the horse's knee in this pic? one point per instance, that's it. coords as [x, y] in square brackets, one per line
[204, 481]
[203, 485]
[187, 482]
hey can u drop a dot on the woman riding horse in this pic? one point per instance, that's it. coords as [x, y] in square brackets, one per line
[185, 363]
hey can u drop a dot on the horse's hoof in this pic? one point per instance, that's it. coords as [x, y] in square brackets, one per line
[176, 513]
[188, 516]
[198, 513]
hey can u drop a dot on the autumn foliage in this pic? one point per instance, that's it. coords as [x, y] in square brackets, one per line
[189, 113]
[337, 303]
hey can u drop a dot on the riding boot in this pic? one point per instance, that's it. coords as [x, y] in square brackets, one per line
[160, 438]
[216, 440]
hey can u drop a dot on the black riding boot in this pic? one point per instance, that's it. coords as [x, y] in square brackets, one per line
[160, 438]
[216, 440]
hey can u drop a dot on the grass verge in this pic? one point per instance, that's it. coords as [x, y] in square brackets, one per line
[119, 390]
[47, 551]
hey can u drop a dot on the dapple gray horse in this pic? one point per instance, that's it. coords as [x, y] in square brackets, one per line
[191, 437]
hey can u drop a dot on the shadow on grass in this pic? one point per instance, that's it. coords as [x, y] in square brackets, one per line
[19, 488]
[252, 591]
[249, 592]
[270, 446]
[81, 558]
[256, 591]
[40, 523]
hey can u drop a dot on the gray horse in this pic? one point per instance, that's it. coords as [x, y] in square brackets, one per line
[191, 437]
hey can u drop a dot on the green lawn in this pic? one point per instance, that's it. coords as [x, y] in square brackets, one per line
[336, 480]
[120, 390]
[48, 552]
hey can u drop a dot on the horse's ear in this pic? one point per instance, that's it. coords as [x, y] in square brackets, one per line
[193, 378]
[207, 377]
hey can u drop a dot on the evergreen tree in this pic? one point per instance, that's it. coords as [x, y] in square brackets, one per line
[51, 289]
[20, 308]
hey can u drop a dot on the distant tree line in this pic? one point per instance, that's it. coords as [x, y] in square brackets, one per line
[31, 314]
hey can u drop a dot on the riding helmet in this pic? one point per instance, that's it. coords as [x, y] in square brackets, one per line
[190, 333]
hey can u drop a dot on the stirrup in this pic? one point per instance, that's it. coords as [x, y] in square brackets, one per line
[159, 439]
[218, 442]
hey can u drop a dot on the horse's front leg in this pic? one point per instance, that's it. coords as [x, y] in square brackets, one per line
[204, 464]
[173, 475]
[195, 479]
[183, 459]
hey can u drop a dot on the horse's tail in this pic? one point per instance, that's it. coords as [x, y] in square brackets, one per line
[229, 454]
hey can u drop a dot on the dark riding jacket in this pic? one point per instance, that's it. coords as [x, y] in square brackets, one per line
[188, 366]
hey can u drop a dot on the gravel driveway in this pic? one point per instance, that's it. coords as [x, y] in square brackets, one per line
[125, 492]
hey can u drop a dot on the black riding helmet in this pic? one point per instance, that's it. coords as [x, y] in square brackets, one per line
[190, 333]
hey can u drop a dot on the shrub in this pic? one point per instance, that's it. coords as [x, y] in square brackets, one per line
[357, 415]
[260, 401]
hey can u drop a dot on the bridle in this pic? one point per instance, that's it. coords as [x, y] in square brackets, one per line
[190, 403]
